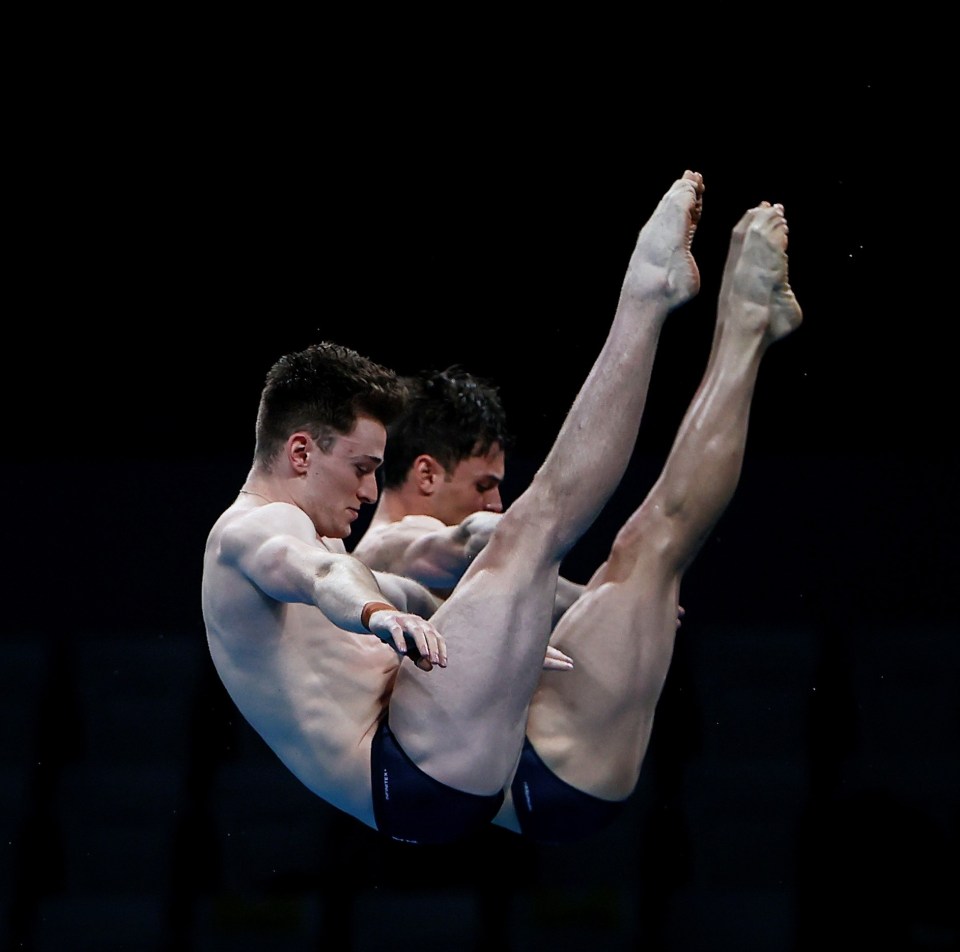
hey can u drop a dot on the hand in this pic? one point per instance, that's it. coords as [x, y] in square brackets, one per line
[478, 528]
[410, 635]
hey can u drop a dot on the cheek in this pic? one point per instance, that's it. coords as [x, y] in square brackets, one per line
[469, 501]
[337, 481]
[461, 496]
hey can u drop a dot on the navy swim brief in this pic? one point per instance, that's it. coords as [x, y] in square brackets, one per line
[550, 811]
[412, 807]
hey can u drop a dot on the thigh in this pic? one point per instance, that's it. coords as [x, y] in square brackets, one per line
[463, 724]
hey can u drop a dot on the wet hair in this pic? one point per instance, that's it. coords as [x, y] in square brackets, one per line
[451, 415]
[322, 390]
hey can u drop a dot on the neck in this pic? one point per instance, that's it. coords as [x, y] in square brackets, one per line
[264, 489]
[251, 492]
[395, 504]
[260, 485]
[390, 507]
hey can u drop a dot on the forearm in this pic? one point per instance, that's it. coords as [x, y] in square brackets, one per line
[567, 593]
[407, 594]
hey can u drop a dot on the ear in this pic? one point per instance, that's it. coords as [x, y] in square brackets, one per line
[299, 446]
[427, 473]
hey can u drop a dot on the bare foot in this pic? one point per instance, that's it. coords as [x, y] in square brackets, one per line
[755, 274]
[662, 266]
[736, 243]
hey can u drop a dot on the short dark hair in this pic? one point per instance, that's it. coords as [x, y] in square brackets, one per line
[322, 390]
[451, 415]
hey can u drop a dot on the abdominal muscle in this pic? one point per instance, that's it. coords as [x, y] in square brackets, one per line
[315, 693]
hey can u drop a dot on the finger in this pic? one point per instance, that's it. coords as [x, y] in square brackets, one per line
[555, 654]
[428, 643]
[417, 641]
[399, 639]
[432, 645]
[416, 656]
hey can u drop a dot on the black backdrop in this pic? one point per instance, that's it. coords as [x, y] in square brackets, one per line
[181, 243]
[182, 237]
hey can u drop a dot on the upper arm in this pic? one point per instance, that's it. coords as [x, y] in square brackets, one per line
[276, 548]
[410, 546]
[438, 557]
[425, 549]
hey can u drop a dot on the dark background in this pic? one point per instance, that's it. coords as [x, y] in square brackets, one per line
[183, 229]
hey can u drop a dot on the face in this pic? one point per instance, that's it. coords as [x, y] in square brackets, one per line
[340, 481]
[473, 485]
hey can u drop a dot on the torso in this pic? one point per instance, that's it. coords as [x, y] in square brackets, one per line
[313, 691]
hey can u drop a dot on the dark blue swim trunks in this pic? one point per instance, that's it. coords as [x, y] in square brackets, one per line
[412, 807]
[550, 811]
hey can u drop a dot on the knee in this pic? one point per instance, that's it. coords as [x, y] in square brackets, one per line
[646, 542]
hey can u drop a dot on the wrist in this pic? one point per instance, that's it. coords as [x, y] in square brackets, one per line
[369, 608]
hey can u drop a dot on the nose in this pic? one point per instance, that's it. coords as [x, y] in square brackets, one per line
[368, 491]
[493, 501]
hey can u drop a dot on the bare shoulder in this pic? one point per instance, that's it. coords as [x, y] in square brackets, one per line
[243, 526]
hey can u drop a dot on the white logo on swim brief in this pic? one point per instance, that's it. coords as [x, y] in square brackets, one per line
[526, 796]
[386, 785]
